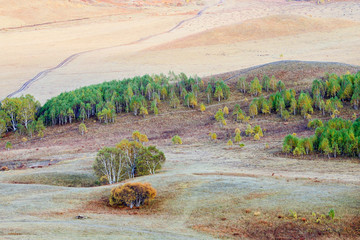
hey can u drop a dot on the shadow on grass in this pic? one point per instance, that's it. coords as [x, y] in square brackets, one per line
[57, 179]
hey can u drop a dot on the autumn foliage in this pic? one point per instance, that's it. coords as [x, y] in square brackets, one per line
[132, 195]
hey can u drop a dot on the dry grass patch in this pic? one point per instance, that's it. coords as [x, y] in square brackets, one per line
[273, 226]
[66, 179]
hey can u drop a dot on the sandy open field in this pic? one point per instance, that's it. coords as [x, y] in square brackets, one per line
[105, 40]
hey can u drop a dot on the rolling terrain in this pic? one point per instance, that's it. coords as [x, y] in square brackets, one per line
[206, 189]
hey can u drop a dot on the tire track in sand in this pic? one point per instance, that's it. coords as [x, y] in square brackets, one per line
[72, 57]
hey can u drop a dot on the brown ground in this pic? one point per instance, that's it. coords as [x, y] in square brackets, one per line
[206, 190]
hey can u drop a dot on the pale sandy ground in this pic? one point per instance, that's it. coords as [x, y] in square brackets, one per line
[229, 35]
[200, 176]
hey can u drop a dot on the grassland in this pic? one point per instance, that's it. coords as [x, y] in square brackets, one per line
[205, 190]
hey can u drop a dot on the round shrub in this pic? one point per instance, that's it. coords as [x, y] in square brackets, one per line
[132, 194]
[176, 140]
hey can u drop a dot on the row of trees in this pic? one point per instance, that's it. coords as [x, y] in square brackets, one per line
[128, 160]
[19, 114]
[337, 137]
[139, 95]
[255, 88]
[327, 95]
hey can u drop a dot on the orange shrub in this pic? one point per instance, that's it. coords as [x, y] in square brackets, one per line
[132, 194]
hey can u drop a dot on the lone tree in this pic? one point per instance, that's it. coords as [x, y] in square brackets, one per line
[202, 108]
[213, 136]
[8, 146]
[82, 128]
[132, 195]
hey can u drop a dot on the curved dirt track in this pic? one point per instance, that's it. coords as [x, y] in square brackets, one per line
[75, 55]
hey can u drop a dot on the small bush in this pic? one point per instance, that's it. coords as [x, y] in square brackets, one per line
[176, 140]
[132, 194]
[8, 146]
[202, 108]
[213, 136]
[4, 168]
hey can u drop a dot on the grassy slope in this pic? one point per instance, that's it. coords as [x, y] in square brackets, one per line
[204, 186]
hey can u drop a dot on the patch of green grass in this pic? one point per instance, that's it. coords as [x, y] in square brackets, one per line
[58, 179]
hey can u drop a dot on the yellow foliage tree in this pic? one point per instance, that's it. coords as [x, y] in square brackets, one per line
[226, 111]
[132, 195]
[237, 138]
[143, 138]
[202, 108]
[249, 131]
[213, 136]
[136, 135]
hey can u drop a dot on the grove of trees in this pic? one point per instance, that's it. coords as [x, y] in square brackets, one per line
[128, 159]
[327, 95]
[336, 137]
[139, 95]
[19, 114]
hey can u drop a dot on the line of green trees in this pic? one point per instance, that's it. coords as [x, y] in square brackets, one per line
[139, 95]
[337, 137]
[327, 95]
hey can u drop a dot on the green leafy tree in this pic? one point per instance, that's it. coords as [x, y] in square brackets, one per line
[258, 130]
[242, 85]
[285, 115]
[255, 87]
[11, 107]
[110, 162]
[273, 83]
[71, 115]
[253, 110]
[315, 124]
[237, 138]
[3, 127]
[325, 147]
[8, 146]
[249, 130]
[82, 128]
[209, 91]
[218, 93]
